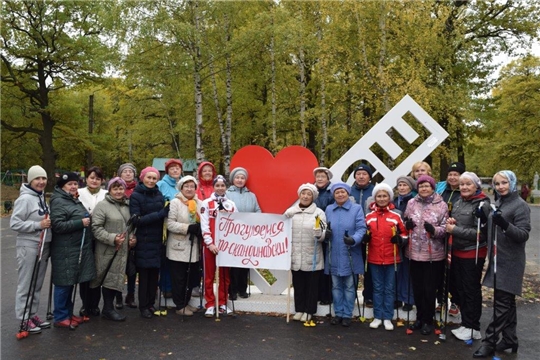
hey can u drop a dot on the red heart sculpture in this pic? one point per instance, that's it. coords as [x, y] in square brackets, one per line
[275, 180]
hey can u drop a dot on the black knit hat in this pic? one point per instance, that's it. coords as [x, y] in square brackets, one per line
[457, 166]
[366, 168]
[67, 177]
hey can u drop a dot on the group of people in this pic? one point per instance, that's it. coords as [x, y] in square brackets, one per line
[420, 247]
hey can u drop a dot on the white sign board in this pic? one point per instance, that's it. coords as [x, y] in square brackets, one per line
[254, 240]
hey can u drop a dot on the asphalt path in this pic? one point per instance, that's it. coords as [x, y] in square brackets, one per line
[244, 337]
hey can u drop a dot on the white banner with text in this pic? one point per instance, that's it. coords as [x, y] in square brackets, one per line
[253, 240]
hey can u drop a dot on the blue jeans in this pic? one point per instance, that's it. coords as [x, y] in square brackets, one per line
[62, 302]
[384, 295]
[343, 292]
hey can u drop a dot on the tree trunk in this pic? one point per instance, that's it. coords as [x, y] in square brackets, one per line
[302, 76]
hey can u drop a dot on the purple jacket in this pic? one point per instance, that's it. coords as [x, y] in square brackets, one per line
[431, 210]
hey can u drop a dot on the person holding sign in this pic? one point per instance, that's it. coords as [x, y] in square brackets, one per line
[246, 201]
[346, 228]
[209, 211]
[307, 259]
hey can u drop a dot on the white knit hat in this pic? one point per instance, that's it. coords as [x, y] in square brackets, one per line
[385, 187]
[35, 172]
[184, 180]
[325, 170]
[310, 187]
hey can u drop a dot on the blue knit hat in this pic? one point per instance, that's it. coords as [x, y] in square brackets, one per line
[340, 185]
[366, 168]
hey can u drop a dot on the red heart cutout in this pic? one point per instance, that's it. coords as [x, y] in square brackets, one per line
[275, 180]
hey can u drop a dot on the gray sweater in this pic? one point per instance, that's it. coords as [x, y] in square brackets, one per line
[510, 244]
[28, 211]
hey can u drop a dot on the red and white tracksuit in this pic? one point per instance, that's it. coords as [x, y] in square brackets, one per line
[209, 212]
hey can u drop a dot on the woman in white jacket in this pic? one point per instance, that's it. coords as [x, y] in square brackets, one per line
[183, 240]
[307, 260]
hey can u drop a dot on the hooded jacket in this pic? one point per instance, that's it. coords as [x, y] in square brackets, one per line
[68, 233]
[205, 187]
[28, 211]
[464, 233]
[433, 210]
[167, 186]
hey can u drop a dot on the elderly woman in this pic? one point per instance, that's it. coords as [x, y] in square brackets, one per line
[30, 221]
[511, 225]
[71, 248]
[469, 250]
[386, 236]
[405, 187]
[426, 216]
[307, 260]
[245, 201]
[183, 240]
[109, 222]
[148, 206]
[167, 186]
[128, 173]
[90, 196]
[217, 202]
[346, 228]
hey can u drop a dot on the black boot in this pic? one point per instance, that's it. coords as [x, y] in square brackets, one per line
[108, 307]
[505, 345]
[484, 351]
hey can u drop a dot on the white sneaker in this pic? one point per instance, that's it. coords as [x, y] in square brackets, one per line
[458, 331]
[388, 325]
[375, 323]
[224, 309]
[304, 317]
[297, 316]
[466, 334]
[210, 312]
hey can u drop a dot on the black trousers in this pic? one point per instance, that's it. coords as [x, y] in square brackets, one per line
[469, 289]
[367, 293]
[148, 283]
[182, 275]
[306, 288]
[108, 298]
[425, 277]
[239, 280]
[90, 296]
[504, 320]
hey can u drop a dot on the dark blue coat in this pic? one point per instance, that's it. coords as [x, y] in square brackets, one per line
[325, 197]
[147, 204]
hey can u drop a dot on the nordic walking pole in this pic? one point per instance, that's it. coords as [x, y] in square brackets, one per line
[355, 282]
[217, 291]
[471, 340]
[50, 315]
[23, 331]
[395, 283]
[442, 336]
[309, 322]
[363, 317]
[288, 296]
[408, 331]
[71, 327]
[191, 236]
[494, 252]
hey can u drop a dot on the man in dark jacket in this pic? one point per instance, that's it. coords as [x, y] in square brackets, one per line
[362, 190]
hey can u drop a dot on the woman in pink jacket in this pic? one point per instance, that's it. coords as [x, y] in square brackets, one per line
[426, 216]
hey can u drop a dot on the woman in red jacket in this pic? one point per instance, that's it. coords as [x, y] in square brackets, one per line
[387, 233]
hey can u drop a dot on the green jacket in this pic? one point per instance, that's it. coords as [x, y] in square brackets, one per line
[108, 220]
[67, 235]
